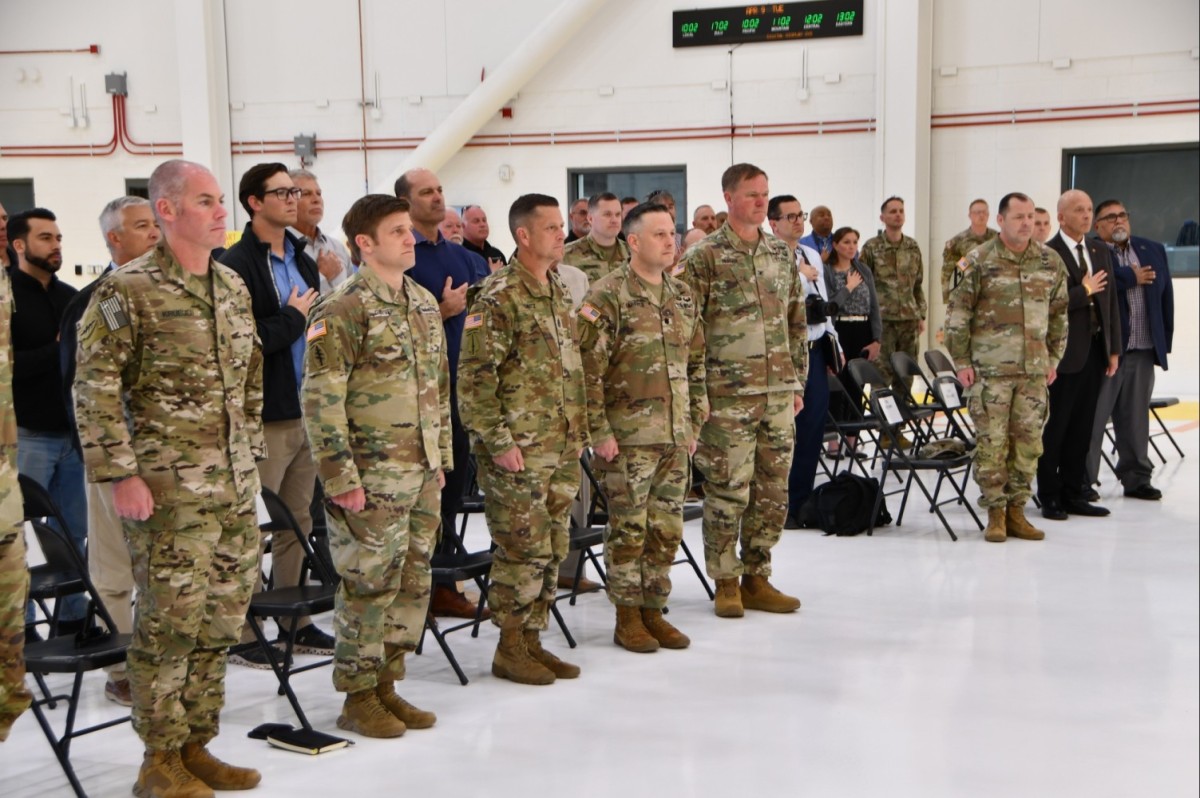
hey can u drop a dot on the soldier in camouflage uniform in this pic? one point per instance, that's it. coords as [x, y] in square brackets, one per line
[643, 359]
[14, 576]
[377, 409]
[600, 251]
[521, 395]
[895, 261]
[955, 252]
[752, 304]
[1006, 327]
[168, 398]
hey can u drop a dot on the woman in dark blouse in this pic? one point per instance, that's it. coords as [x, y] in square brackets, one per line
[858, 323]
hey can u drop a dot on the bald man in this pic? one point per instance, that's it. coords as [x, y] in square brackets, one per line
[1093, 351]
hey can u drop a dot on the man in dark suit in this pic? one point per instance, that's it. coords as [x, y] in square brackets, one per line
[1093, 351]
[1147, 305]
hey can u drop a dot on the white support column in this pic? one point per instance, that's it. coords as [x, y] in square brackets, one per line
[204, 88]
[903, 106]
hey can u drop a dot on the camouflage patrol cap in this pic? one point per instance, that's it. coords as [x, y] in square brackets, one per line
[944, 449]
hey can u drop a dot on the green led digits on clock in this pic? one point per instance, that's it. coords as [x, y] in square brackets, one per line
[690, 27]
[781, 22]
[720, 25]
[813, 19]
[750, 24]
[846, 16]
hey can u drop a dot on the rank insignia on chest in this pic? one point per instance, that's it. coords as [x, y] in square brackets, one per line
[474, 320]
[113, 313]
[588, 312]
[316, 330]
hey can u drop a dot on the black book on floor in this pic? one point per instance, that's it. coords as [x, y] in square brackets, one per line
[306, 741]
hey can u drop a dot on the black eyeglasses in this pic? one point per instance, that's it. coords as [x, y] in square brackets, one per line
[282, 194]
[792, 217]
[1114, 217]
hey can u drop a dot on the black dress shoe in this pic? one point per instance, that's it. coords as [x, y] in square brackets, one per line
[1053, 510]
[1090, 495]
[1083, 508]
[1147, 492]
[792, 522]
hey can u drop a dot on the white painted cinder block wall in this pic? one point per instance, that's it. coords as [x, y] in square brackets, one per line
[294, 68]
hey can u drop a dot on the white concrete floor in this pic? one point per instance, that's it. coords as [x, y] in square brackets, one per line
[916, 667]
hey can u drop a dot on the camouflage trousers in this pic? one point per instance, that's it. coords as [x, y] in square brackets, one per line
[194, 567]
[645, 487]
[1009, 413]
[745, 453]
[14, 587]
[382, 555]
[528, 514]
[898, 336]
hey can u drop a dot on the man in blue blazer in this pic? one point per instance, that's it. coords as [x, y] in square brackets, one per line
[1147, 306]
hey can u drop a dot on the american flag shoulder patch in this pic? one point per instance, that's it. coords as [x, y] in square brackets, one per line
[113, 313]
[588, 312]
[962, 264]
[474, 320]
[678, 270]
[316, 330]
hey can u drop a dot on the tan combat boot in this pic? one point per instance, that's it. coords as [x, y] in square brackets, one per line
[365, 714]
[666, 634]
[164, 776]
[215, 773]
[413, 718]
[728, 601]
[630, 634]
[1019, 526]
[996, 531]
[759, 594]
[512, 660]
[562, 670]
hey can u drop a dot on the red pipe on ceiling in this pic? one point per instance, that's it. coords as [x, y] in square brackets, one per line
[93, 49]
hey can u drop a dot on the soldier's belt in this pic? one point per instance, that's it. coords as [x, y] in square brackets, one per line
[853, 318]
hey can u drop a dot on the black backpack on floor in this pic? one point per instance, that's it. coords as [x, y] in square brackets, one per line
[843, 505]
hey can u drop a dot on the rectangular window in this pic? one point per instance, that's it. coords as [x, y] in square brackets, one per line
[633, 181]
[137, 187]
[16, 195]
[1158, 184]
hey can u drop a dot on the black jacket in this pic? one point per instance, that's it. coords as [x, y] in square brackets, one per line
[1079, 304]
[36, 379]
[278, 325]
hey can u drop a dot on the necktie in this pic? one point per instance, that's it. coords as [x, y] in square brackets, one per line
[1083, 264]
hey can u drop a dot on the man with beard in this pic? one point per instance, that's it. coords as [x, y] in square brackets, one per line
[45, 443]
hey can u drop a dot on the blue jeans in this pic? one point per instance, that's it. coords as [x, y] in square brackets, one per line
[50, 459]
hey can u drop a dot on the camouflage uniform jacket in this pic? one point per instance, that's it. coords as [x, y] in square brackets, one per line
[899, 277]
[168, 383]
[1008, 316]
[643, 363]
[752, 304]
[588, 256]
[11, 508]
[520, 377]
[954, 255]
[376, 393]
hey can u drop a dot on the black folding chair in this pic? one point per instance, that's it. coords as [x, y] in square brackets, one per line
[288, 604]
[1159, 403]
[46, 582]
[948, 399]
[905, 367]
[941, 365]
[867, 373]
[460, 566]
[893, 417]
[98, 646]
[857, 427]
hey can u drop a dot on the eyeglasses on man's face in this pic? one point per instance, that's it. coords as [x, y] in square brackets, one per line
[1114, 217]
[282, 194]
[792, 217]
